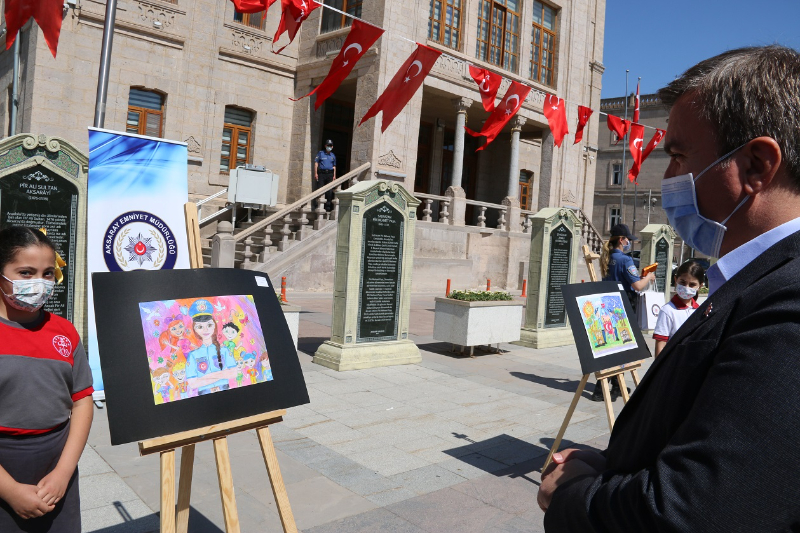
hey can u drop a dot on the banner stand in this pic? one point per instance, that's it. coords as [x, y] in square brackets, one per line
[176, 520]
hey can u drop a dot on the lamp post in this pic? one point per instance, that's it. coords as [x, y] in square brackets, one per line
[650, 204]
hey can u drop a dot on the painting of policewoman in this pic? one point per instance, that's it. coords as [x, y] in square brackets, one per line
[198, 346]
[606, 323]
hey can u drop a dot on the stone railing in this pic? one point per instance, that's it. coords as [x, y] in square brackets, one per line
[446, 215]
[589, 233]
[299, 216]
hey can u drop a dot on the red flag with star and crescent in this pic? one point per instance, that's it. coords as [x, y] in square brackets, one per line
[583, 118]
[512, 101]
[48, 14]
[252, 6]
[657, 136]
[488, 85]
[636, 143]
[293, 13]
[403, 86]
[555, 111]
[358, 41]
[618, 126]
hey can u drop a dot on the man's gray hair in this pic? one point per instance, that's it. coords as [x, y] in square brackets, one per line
[747, 93]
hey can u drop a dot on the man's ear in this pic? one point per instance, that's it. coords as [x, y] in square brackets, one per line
[762, 160]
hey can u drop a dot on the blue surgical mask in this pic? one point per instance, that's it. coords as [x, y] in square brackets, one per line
[626, 247]
[680, 203]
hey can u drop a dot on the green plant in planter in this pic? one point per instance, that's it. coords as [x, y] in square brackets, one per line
[480, 296]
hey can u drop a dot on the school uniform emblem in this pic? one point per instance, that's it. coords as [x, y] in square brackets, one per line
[138, 240]
[62, 345]
[633, 271]
[202, 365]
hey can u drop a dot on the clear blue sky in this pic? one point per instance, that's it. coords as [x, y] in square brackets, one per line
[660, 40]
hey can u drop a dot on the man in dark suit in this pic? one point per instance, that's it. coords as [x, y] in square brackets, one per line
[710, 440]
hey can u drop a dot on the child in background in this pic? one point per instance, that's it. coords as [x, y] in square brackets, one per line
[688, 280]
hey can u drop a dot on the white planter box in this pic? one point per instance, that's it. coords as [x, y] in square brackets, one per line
[292, 314]
[477, 323]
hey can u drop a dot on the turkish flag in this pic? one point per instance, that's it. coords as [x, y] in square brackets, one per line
[583, 117]
[358, 41]
[556, 113]
[619, 126]
[637, 150]
[488, 84]
[511, 103]
[293, 13]
[657, 136]
[636, 109]
[252, 6]
[403, 86]
[47, 14]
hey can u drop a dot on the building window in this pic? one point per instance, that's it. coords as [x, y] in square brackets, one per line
[543, 44]
[145, 113]
[254, 20]
[616, 174]
[614, 217]
[498, 33]
[444, 22]
[525, 183]
[331, 20]
[237, 138]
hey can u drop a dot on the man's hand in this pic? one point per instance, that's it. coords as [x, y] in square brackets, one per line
[53, 486]
[25, 502]
[316, 177]
[651, 277]
[568, 465]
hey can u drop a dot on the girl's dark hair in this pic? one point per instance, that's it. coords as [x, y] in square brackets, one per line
[209, 318]
[15, 238]
[693, 269]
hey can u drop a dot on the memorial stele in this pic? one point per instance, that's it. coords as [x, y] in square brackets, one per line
[43, 185]
[555, 240]
[658, 245]
[372, 280]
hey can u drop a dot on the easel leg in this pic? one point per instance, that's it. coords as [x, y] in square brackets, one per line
[226, 485]
[168, 491]
[623, 388]
[567, 418]
[607, 400]
[185, 488]
[276, 480]
[635, 375]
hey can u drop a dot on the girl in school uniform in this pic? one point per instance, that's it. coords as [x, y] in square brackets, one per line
[689, 279]
[45, 393]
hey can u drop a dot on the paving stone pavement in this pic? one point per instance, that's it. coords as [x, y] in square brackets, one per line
[451, 444]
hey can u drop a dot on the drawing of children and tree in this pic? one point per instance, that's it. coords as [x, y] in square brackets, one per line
[606, 323]
[199, 346]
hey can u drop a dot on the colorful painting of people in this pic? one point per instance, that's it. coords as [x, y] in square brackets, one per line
[606, 323]
[205, 345]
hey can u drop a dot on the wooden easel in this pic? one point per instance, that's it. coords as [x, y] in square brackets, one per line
[602, 377]
[177, 521]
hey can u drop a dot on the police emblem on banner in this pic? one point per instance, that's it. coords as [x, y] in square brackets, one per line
[138, 240]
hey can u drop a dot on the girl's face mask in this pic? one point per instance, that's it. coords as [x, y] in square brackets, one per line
[29, 294]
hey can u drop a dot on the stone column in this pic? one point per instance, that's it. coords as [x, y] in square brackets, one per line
[458, 202]
[546, 170]
[658, 246]
[223, 246]
[512, 197]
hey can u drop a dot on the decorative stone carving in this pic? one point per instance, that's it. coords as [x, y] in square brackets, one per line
[192, 145]
[334, 44]
[389, 160]
[568, 196]
[38, 176]
[451, 67]
[246, 43]
[148, 14]
[31, 142]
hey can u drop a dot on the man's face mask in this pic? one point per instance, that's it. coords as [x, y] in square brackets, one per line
[679, 198]
[328, 148]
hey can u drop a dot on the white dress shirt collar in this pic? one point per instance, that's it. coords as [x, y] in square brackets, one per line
[734, 261]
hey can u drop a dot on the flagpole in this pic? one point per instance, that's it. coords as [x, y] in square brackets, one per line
[624, 174]
[105, 65]
[636, 181]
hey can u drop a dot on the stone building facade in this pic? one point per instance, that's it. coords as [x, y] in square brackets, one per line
[611, 176]
[199, 72]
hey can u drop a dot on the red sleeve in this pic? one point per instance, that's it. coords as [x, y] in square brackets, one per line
[660, 337]
[82, 394]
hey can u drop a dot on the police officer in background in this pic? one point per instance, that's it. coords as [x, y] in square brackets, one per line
[325, 171]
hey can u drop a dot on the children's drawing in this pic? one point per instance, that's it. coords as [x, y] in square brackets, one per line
[606, 324]
[198, 346]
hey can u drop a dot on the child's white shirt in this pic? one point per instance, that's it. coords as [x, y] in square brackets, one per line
[671, 317]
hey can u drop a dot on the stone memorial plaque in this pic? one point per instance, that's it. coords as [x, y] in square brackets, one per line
[41, 199]
[381, 256]
[557, 275]
[662, 256]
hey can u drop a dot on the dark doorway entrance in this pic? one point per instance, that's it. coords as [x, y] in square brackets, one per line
[337, 125]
